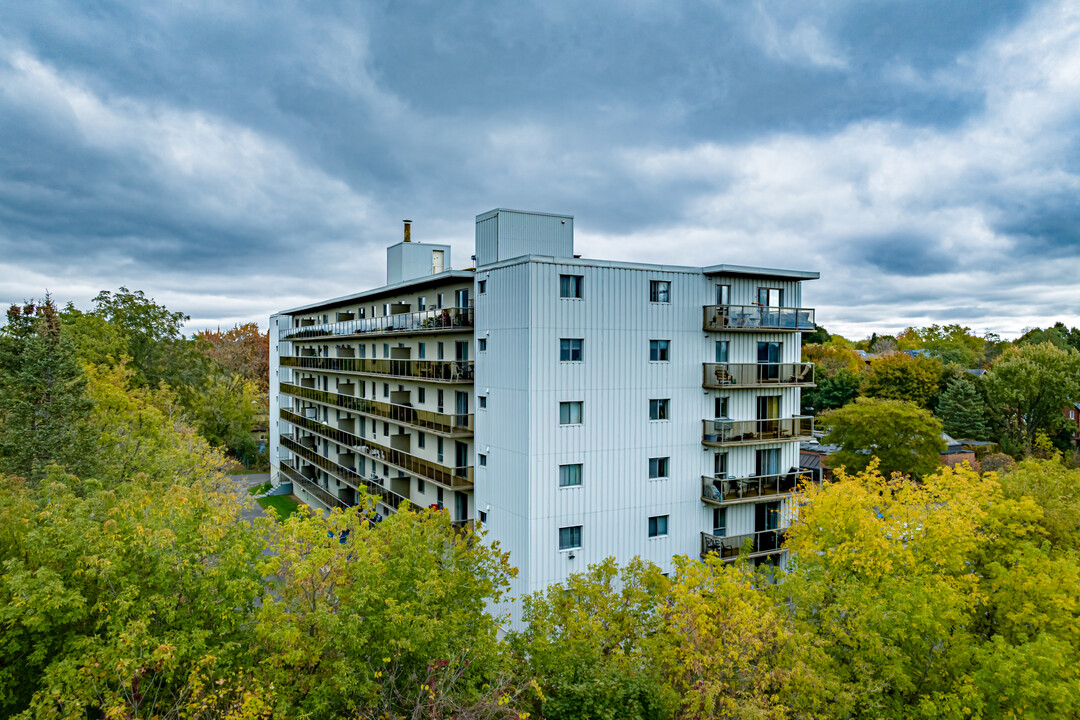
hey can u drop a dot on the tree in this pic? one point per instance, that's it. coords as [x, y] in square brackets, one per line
[149, 329]
[963, 412]
[902, 436]
[242, 351]
[1056, 489]
[1058, 335]
[96, 340]
[225, 409]
[831, 392]
[43, 404]
[902, 377]
[592, 643]
[1027, 387]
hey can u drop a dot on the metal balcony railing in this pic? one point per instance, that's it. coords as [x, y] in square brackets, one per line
[767, 542]
[727, 491]
[753, 375]
[455, 425]
[454, 478]
[721, 431]
[448, 371]
[422, 321]
[321, 494]
[756, 317]
[346, 475]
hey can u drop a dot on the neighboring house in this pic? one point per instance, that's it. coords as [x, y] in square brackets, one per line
[1072, 414]
[577, 409]
[956, 452]
[814, 455]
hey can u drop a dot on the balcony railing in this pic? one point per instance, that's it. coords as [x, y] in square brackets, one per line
[757, 317]
[454, 478]
[722, 432]
[449, 371]
[727, 491]
[386, 497]
[766, 542]
[460, 425]
[323, 495]
[423, 321]
[750, 375]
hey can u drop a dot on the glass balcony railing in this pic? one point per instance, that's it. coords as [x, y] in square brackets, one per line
[423, 321]
[449, 371]
[749, 375]
[454, 478]
[725, 491]
[455, 425]
[346, 475]
[721, 431]
[766, 542]
[323, 495]
[757, 317]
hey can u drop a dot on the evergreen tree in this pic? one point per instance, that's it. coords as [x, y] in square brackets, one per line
[43, 402]
[963, 412]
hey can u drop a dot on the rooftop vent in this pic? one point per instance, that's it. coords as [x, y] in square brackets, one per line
[408, 230]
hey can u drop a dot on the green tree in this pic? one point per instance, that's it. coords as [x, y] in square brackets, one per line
[953, 344]
[831, 392]
[1027, 387]
[43, 403]
[902, 436]
[151, 332]
[593, 642]
[97, 341]
[901, 377]
[1056, 489]
[225, 409]
[963, 412]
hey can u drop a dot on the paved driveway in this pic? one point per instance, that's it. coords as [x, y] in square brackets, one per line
[243, 482]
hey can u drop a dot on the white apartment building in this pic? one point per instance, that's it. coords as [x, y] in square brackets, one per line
[578, 409]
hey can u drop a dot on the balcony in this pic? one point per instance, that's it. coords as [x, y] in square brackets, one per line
[721, 318]
[721, 491]
[442, 423]
[767, 542]
[722, 432]
[447, 371]
[424, 321]
[386, 497]
[323, 495]
[756, 375]
[455, 478]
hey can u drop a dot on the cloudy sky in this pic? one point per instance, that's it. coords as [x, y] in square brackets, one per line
[234, 158]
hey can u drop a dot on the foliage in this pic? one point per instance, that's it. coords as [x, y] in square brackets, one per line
[1027, 387]
[901, 377]
[820, 336]
[96, 340]
[903, 437]
[225, 408]
[591, 643]
[963, 412]
[936, 598]
[953, 344]
[43, 404]
[1056, 489]
[832, 391]
[284, 506]
[1058, 335]
[151, 330]
[242, 351]
[830, 359]
[380, 619]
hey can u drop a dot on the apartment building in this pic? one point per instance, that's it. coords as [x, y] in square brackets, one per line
[578, 409]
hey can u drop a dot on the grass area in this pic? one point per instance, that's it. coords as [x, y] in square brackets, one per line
[260, 489]
[285, 505]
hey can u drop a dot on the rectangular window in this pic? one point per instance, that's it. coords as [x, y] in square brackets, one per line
[439, 497]
[420, 485]
[720, 407]
[386, 309]
[421, 395]
[658, 350]
[722, 351]
[659, 291]
[482, 400]
[481, 287]
[570, 413]
[570, 286]
[439, 399]
[658, 467]
[440, 450]
[770, 297]
[421, 351]
[386, 429]
[482, 459]
[386, 390]
[719, 522]
[420, 440]
[570, 537]
[440, 349]
[363, 350]
[658, 526]
[659, 409]
[570, 349]
[723, 294]
[570, 475]
[386, 350]
[720, 465]
[481, 344]
[421, 303]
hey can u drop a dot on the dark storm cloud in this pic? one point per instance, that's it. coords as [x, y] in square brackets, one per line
[238, 158]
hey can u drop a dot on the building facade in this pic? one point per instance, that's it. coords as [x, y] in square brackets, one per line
[578, 409]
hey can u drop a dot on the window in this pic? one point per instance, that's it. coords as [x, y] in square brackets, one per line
[658, 467]
[386, 390]
[570, 286]
[483, 517]
[439, 301]
[420, 485]
[658, 350]
[439, 399]
[386, 309]
[723, 294]
[570, 349]
[386, 429]
[440, 451]
[482, 459]
[659, 291]
[570, 413]
[570, 475]
[421, 395]
[570, 537]
[720, 407]
[439, 497]
[482, 400]
[770, 297]
[658, 409]
[421, 351]
[658, 526]
[1072, 414]
[481, 287]
[719, 522]
[420, 440]
[386, 350]
[421, 303]
[720, 465]
[481, 344]
[722, 351]
[440, 348]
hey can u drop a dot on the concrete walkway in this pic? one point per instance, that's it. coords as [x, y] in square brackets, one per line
[242, 483]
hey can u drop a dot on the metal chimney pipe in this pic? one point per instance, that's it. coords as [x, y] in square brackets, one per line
[408, 230]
